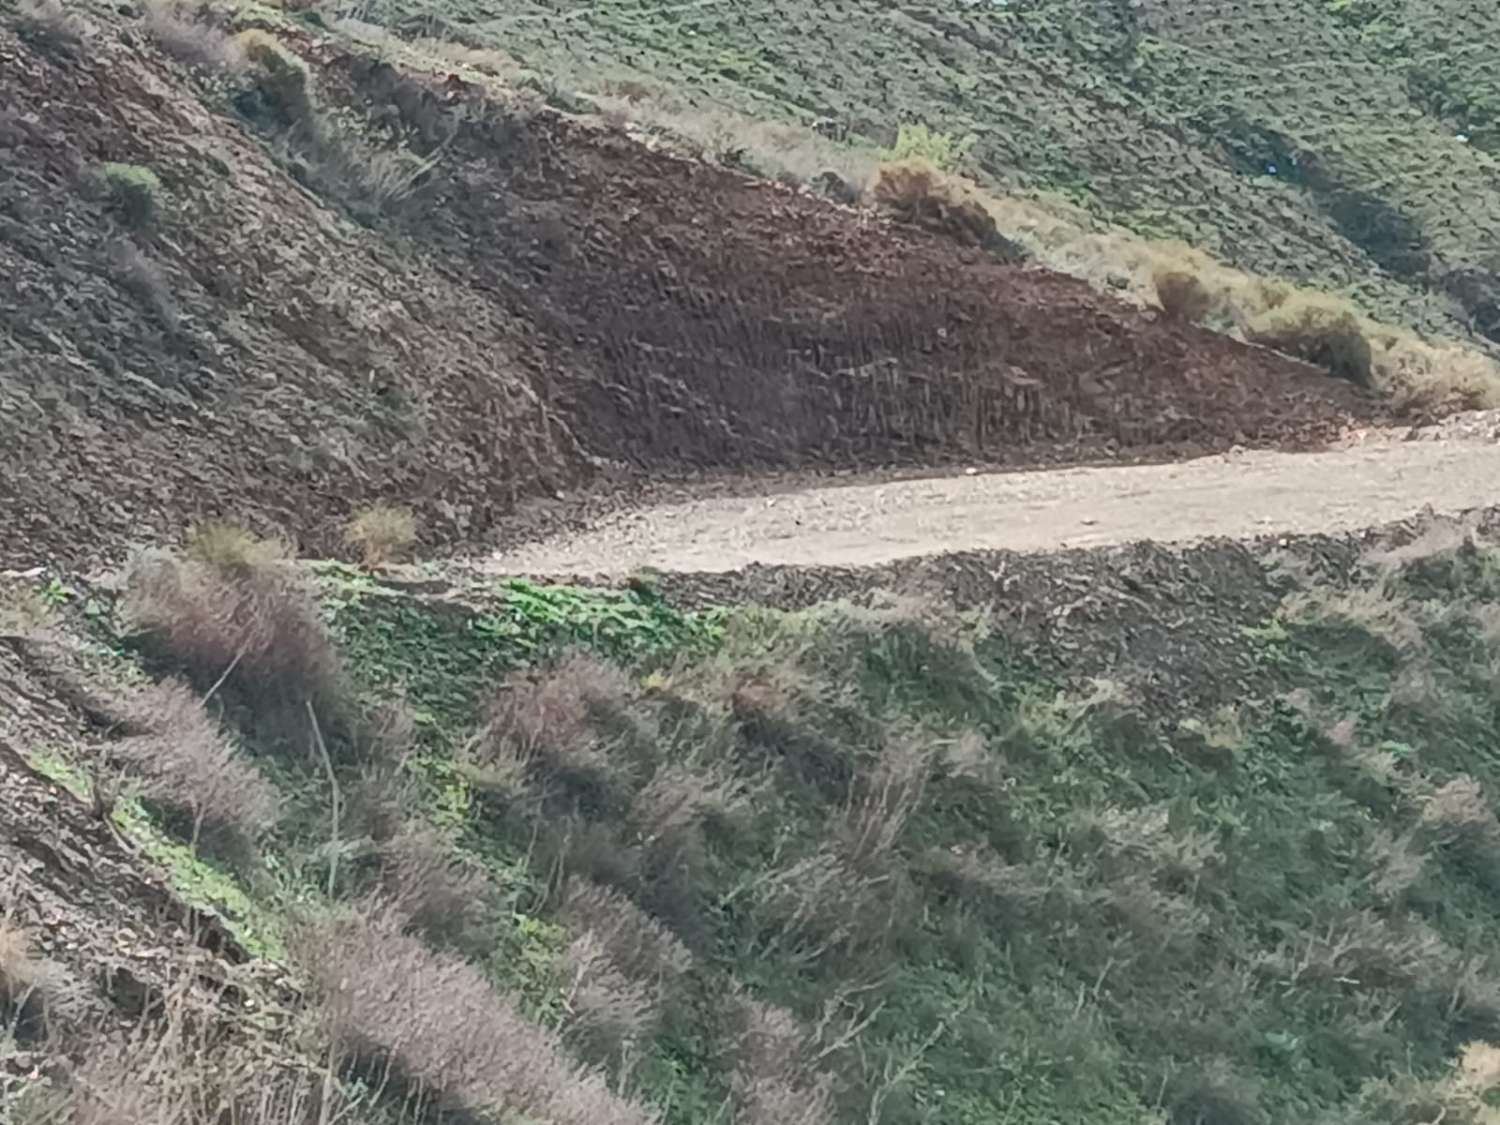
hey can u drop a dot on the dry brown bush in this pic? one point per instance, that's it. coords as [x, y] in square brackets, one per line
[243, 618]
[189, 766]
[382, 532]
[1396, 864]
[435, 1018]
[1182, 294]
[551, 720]
[1457, 814]
[638, 945]
[883, 801]
[679, 798]
[178, 1067]
[424, 880]
[609, 1015]
[772, 1081]
[1322, 330]
[917, 192]
[183, 30]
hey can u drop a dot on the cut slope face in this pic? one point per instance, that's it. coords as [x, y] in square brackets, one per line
[1352, 145]
[555, 302]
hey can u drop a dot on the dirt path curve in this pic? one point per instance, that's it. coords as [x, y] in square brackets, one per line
[1236, 495]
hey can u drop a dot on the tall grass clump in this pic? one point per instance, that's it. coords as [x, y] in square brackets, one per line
[234, 614]
[436, 1021]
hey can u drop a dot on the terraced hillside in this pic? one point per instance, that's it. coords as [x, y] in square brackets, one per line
[1351, 144]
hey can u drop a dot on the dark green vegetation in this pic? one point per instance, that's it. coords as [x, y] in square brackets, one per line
[1348, 145]
[872, 863]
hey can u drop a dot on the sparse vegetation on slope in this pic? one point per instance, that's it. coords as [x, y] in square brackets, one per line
[891, 860]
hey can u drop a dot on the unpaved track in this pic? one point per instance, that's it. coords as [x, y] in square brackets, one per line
[1237, 495]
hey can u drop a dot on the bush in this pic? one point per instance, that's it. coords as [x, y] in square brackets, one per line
[637, 944]
[381, 532]
[1182, 294]
[550, 721]
[436, 1019]
[918, 192]
[188, 38]
[235, 612]
[133, 191]
[918, 142]
[282, 80]
[188, 766]
[1320, 330]
[446, 899]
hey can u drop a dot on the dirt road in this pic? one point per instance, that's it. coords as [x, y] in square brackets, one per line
[1237, 495]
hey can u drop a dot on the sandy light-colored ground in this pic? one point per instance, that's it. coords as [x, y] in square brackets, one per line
[1241, 494]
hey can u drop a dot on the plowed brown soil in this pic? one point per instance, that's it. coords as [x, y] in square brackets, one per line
[559, 306]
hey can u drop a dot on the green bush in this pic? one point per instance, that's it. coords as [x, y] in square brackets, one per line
[918, 142]
[132, 190]
[281, 78]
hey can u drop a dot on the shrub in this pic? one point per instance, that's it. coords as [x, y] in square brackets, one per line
[234, 612]
[445, 898]
[772, 1082]
[181, 33]
[188, 766]
[1182, 294]
[382, 532]
[637, 944]
[133, 190]
[282, 80]
[1321, 330]
[608, 1014]
[918, 142]
[143, 280]
[918, 192]
[550, 720]
[436, 1019]
[885, 800]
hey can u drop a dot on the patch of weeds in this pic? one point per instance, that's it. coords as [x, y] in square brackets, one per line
[134, 192]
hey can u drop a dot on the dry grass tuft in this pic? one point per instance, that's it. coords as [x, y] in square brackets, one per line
[180, 29]
[678, 799]
[883, 801]
[1458, 815]
[772, 1082]
[178, 1067]
[235, 614]
[918, 192]
[637, 944]
[551, 721]
[1322, 330]
[609, 1015]
[436, 1019]
[382, 533]
[439, 894]
[188, 765]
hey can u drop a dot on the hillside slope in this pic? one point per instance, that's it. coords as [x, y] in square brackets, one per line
[1350, 144]
[544, 302]
[1134, 836]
